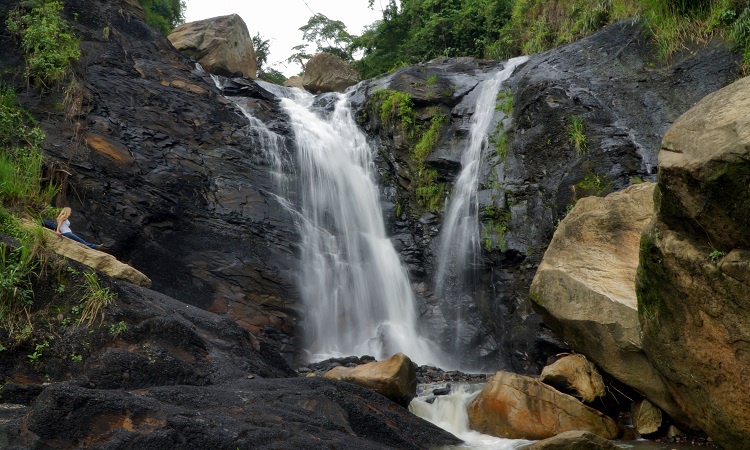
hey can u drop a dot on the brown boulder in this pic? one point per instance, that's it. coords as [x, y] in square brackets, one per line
[222, 45]
[574, 440]
[326, 72]
[576, 374]
[395, 377]
[693, 285]
[647, 418]
[585, 288]
[519, 407]
[294, 82]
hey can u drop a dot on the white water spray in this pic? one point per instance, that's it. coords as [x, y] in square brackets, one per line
[449, 413]
[357, 294]
[459, 237]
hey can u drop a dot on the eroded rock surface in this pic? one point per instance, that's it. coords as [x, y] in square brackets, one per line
[693, 288]
[574, 440]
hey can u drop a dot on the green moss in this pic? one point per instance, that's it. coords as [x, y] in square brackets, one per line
[395, 107]
[495, 224]
[430, 138]
[505, 102]
[651, 281]
[591, 184]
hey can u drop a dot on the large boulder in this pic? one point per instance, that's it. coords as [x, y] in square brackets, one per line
[395, 377]
[519, 407]
[585, 288]
[326, 72]
[693, 284]
[575, 375]
[222, 45]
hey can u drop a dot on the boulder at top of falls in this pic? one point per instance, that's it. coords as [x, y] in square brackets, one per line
[395, 377]
[295, 81]
[518, 407]
[222, 45]
[326, 72]
[575, 375]
[693, 280]
[585, 288]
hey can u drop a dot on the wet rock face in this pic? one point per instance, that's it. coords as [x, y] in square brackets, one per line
[166, 173]
[609, 85]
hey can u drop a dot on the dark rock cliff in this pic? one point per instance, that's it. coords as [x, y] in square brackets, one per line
[165, 172]
[623, 99]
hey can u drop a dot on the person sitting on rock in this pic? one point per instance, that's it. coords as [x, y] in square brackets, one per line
[63, 229]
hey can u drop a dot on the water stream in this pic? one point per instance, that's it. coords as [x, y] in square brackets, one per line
[460, 250]
[357, 295]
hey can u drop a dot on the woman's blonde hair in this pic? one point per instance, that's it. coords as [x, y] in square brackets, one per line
[64, 214]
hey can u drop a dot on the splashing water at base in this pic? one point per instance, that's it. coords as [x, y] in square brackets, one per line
[449, 413]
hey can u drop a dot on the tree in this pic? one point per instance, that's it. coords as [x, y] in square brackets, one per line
[261, 47]
[262, 53]
[300, 55]
[329, 36]
[164, 15]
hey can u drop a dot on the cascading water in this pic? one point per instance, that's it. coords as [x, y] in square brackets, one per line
[459, 236]
[449, 413]
[357, 294]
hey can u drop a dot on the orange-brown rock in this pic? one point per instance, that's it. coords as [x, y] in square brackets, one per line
[395, 377]
[575, 375]
[520, 407]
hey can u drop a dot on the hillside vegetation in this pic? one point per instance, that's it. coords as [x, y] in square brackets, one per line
[412, 31]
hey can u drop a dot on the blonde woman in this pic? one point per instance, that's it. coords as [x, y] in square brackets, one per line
[63, 229]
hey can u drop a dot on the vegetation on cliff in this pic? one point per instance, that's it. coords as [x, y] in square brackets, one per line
[413, 31]
[164, 15]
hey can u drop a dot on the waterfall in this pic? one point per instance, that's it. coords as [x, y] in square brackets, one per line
[449, 413]
[459, 250]
[357, 295]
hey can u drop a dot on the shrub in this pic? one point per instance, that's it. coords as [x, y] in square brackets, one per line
[95, 297]
[47, 40]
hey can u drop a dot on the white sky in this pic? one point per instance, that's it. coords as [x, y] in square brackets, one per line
[279, 20]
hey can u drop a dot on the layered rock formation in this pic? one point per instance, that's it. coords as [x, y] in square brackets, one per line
[222, 45]
[326, 72]
[693, 285]
[169, 174]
